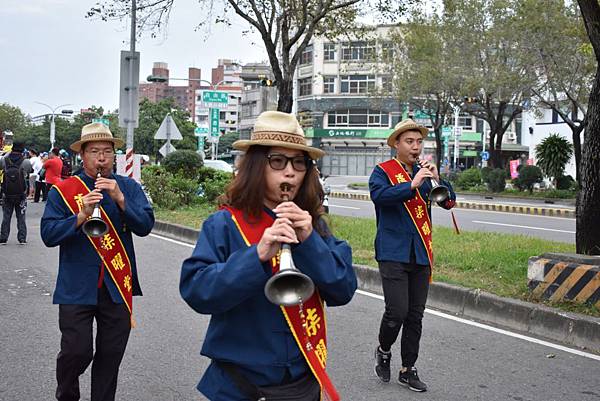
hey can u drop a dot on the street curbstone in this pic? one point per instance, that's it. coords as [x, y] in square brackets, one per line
[574, 330]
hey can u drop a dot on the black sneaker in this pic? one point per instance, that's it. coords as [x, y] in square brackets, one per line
[382, 366]
[410, 379]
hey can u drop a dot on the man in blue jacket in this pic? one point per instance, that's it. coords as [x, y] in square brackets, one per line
[400, 190]
[259, 349]
[97, 273]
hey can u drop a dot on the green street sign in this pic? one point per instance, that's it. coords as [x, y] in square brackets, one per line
[102, 121]
[214, 122]
[215, 97]
[339, 133]
[201, 131]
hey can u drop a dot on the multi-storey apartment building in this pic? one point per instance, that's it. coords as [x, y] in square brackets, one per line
[184, 96]
[337, 102]
[256, 97]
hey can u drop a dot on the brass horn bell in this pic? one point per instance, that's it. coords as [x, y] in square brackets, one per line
[95, 226]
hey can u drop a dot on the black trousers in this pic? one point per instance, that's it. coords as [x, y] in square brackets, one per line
[405, 288]
[40, 188]
[113, 324]
[19, 206]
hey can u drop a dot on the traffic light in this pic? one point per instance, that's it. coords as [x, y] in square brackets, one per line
[268, 82]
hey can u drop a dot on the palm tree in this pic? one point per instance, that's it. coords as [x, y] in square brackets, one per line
[553, 154]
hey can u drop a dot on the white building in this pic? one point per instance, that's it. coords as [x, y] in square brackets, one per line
[538, 125]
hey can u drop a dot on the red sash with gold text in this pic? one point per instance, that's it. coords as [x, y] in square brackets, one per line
[416, 207]
[312, 340]
[109, 246]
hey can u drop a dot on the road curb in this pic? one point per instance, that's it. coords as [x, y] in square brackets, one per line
[534, 210]
[533, 319]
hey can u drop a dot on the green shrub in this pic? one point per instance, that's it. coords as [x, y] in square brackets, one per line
[469, 178]
[167, 190]
[497, 180]
[214, 186]
[528, 176]
[485, 173]
[183, 162]
[564, 182]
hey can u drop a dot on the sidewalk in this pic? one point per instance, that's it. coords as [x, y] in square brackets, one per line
[537, 320]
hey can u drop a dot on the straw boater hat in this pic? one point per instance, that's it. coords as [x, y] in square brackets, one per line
[403, 126]
[275, 128]
[96, 132]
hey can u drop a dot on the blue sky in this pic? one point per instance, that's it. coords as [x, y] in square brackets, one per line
[50, 53]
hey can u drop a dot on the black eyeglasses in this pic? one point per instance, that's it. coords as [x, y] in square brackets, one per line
[279, 162]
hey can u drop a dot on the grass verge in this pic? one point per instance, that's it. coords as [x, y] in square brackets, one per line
[492, 262]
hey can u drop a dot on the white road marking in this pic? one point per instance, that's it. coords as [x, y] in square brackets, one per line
[345, 207]
[496, 330]
[172, 240]
[518, 226]
[451, 317]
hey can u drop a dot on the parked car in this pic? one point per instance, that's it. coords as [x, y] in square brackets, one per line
[218, 165]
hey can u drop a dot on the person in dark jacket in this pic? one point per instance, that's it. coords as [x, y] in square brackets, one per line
[252, 343]
[97, 273]
[400, 190]
[14, 192]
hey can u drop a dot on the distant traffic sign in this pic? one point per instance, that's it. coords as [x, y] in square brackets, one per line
[168, 130]
[215, 97]
[201, 131]
[214, 122]
[101, 120]
[485, 155]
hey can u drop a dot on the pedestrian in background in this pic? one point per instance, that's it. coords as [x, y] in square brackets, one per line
[41, 187]
[85, 290]
[53, 167]
[36, 165]
[15, 172]
[400, 190]
[256, 347]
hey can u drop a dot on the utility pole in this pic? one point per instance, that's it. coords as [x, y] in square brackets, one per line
[456, 109]
[130, 123]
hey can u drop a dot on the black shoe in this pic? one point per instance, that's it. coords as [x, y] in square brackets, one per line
[410, 379]
[382, 366]
[22, 242]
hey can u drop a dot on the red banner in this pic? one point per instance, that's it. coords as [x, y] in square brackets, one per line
[306, 321]
[109, 246]
[416, 207]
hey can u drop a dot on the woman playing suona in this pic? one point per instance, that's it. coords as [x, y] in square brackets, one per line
[257, 348]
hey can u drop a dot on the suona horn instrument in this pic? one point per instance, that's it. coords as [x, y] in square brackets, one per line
[439, 192]
[95, 226]
[288, 286]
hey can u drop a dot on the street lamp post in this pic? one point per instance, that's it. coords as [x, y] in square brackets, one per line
[52, 125]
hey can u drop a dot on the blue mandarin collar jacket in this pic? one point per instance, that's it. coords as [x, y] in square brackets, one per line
[79, 263]
[397, 237]
[225, 278]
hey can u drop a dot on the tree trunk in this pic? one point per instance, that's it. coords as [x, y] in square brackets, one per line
[588, 199]
[286, 96]
[438, 147]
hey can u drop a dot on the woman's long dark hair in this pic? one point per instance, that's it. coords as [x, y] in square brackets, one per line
[247, 190]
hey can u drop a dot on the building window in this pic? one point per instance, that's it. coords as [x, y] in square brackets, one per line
[387, 50]
[387, 84]
[357, 118]
[465, 121]
[307, 55]
[305, 87]
[328, 85]
[358, 51]
[329, 50]
[357, 83]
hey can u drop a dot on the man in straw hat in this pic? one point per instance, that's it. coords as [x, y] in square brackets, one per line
[258, 348]
[400, 190]
[97, 274]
